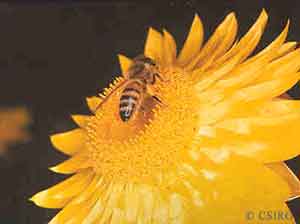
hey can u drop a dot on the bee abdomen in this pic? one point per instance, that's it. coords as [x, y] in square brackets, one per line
[128, 103]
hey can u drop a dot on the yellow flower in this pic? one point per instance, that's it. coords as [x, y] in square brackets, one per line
[211, 153]
[12, 127]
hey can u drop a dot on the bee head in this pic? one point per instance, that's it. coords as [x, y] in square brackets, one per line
[146, 60]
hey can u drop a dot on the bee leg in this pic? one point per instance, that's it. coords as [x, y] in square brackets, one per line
[152, 94]
[143, 110]
[157, 75]
[150, 91]
[157, 99]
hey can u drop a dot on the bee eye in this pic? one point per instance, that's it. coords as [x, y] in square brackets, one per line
[137, 68]
[153, 63]
[150, 61]
[146, 60]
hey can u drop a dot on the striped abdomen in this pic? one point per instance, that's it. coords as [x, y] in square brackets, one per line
[130, 100]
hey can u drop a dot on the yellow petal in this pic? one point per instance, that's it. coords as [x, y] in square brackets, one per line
[253, 67]
[268, 89]
[72, 165]
[69, 142]
[193, 42]
[206, 79]
[147, 199]
[60, 194]
[125, 63]
[216, 110]
[223, 46]
[169, 48]
[160, 211]
[117, 216]
[274, 46]
[100, 209]
[229, 54]
[93, 102]
[254, 33]
[219, 42]
[72, 214]
[287, 174]
[278, 107]
[244, 51]
[244, 73]
[228, 39]
[154, 45]
[216, 178]
[89, 191]
[258, 26]
[286, 48]
[79, 207]
[282, 66]
[80, 120]
[247, 137]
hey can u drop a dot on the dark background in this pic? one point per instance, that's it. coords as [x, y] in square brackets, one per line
[54, 55]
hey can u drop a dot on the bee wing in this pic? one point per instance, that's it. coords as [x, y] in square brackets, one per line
[125, 82]
[151, 93]
[126, 74]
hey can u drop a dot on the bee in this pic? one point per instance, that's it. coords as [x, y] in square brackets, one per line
[139, 78]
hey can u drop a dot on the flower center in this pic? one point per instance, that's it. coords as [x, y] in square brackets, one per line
[144, 149]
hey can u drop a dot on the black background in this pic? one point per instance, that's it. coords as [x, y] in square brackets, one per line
[54, 55]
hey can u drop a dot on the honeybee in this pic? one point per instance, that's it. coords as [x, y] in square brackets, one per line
[139, 78]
